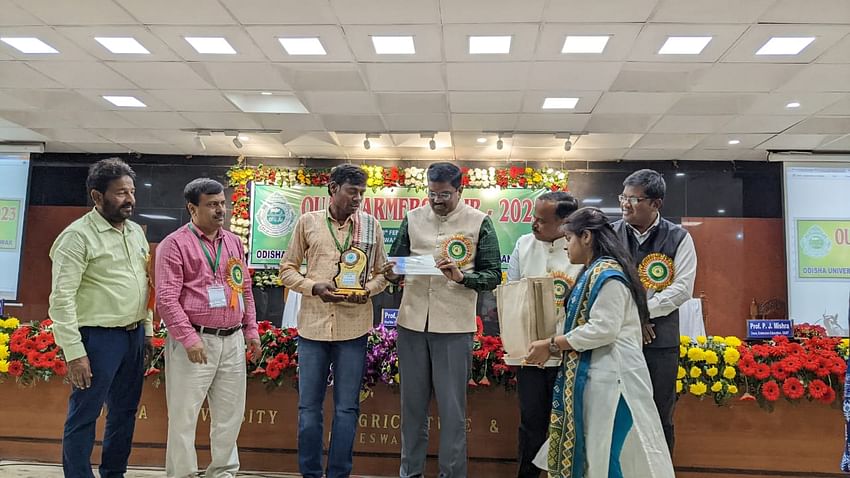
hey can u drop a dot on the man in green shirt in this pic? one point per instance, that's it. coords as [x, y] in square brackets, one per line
[99, 307]
[437, 317]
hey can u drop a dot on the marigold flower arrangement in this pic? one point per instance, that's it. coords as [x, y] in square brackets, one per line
[29, 352]
[707, 367]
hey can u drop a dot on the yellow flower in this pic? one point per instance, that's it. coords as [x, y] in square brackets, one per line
[684, 340]
[528, 170]
[711, 357]
[718, 340]
[4, 338]
[695, 372]
[681, 373]
[701, 339]
[682, 351]
[711, 371]
[733, 341]
[716, 387]
[845, 342]
[698, 389]
[696, 354]
[4, 366]
[729, 373]
[732, 389]
[397, 378]
[678, 386]
[12, 323]
[731, 355]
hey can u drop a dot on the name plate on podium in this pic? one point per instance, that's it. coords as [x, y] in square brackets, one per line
[767, 329]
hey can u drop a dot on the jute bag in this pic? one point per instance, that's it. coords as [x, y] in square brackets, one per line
[526, 314]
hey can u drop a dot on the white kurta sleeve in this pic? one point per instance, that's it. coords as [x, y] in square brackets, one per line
[514, 273]
[682, 289]
[606, 318]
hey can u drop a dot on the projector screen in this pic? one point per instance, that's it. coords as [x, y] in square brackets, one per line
[14, 188]
[817, 243]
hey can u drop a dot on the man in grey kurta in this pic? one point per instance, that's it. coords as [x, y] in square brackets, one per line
[437, 318]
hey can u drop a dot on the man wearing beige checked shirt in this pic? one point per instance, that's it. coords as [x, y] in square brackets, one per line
[332, 327]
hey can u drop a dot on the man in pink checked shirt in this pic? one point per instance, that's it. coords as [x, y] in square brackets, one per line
[203, 293]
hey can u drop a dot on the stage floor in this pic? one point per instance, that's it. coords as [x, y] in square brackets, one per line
[11, 469]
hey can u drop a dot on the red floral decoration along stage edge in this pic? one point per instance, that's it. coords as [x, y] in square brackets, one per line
[28, 352]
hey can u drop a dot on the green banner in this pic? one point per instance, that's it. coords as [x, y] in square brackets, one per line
[10, 209]
[823, 249]
[274, 211]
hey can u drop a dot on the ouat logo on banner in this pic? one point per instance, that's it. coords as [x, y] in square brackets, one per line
[275, 217]
[815, 243]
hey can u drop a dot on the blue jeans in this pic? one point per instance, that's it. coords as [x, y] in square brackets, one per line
[348, 358]
[116, 357]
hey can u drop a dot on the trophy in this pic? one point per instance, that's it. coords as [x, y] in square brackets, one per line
[351, 278]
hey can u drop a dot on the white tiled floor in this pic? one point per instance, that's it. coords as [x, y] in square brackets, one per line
[49, 470]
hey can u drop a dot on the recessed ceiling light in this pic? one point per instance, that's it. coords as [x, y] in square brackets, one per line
[734, 141]
[721, 211]
[125, 101]
[266, 93]
[303, 46]
[793, 104]
[585, 44]
[785, 45]
[592, 201]
[242, 137]
[29, 45]
[684, 45]
[482, 140]
[211, 45]
[559, 103]
[393, 45]
[122, 45]
[489, 45]
[680, 175]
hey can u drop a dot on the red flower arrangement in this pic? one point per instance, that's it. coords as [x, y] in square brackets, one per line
[488, 366]
[806, 367]
[33, 353]
[280, 356]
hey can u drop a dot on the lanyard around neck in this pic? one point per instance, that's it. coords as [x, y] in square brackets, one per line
[213, 265]
[340, 247]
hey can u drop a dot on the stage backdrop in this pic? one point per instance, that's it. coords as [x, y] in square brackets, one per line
[274, 211]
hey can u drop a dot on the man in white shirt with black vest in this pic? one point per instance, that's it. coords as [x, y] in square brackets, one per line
[667, 264]
[541, 253]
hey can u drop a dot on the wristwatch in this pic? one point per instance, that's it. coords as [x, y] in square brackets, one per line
[553, 347]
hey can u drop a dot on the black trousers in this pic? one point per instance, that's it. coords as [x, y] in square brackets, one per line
[534, 388]
[663, 363]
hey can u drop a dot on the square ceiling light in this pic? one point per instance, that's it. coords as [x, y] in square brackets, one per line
[211, 45]
[303, 46]
[28, 45]
[489, 45]
[125, 101]
[559, 103]
[122, 45]
[785, 45]
[585, 44]
[684, 45]
[393, 45]
[260, 103]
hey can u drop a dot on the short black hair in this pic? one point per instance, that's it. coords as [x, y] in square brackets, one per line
[105, 171]
[347, 173]
[650, 180]
[197, 187]
[565, 203]
[445, 173]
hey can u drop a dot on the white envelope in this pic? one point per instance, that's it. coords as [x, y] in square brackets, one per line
[416, 266]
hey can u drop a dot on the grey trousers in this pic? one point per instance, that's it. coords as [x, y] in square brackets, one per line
[439, 363]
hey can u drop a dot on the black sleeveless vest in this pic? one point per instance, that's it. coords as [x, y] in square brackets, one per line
[665, 239]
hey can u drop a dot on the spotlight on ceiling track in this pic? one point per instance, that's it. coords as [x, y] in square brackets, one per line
[568, 144]
[236, 142]
[368, 144]
[499, 143]
[432, 143]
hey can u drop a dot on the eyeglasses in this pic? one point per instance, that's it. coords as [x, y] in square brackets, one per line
[633, 200]
[443, 196]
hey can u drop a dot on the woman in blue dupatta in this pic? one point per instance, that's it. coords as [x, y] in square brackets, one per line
[603, 393]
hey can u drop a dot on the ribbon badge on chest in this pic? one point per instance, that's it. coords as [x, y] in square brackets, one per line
[656, 271]
[235, 280]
